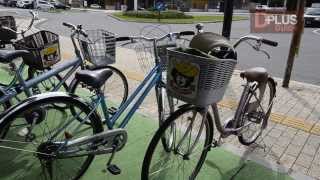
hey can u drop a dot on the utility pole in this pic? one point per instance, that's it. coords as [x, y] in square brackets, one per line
[295, 42]
[227, 19]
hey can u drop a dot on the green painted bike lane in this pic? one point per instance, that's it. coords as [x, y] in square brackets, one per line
[219, 165]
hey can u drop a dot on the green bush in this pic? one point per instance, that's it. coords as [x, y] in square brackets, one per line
[170, 14]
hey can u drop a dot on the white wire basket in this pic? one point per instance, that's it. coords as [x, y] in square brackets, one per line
[197, 78]
[99, 47]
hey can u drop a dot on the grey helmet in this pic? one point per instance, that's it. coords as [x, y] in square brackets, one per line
[213, 44]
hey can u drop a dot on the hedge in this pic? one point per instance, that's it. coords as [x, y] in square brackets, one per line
[170, 14]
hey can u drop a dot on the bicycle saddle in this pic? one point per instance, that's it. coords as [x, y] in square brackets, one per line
[258, 74]
[7, 56]
[94, 78]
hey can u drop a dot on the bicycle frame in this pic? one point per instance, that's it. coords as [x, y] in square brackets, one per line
[139, 94]
[24, 86]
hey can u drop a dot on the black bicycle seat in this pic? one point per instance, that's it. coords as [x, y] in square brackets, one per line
[258, 74]
[94, 78]
[7, 56]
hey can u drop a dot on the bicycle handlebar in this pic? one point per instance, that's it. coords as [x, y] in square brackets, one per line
[77, 29]
[169, 35]
[269, 42]
[256, 38]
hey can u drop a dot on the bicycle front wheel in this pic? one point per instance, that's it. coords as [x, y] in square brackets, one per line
[165, 108]
[189, 143]
[37, 131]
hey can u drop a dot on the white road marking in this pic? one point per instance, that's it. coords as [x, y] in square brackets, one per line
[317, 31]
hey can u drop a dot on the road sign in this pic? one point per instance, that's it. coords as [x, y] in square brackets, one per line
[160, 5]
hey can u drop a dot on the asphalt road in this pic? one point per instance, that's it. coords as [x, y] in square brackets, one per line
[307, 63]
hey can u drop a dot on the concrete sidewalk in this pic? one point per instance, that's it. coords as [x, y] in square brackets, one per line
[290, 143]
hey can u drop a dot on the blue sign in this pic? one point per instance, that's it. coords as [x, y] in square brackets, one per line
[161, 5]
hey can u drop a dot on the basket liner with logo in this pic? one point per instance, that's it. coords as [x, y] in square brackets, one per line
[44, 45]
[197, 78]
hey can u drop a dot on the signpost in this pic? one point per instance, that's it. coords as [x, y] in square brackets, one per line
[160, 6]
[295, 42]
[227, 21]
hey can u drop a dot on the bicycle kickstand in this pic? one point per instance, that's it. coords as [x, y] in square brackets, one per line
[217, 143]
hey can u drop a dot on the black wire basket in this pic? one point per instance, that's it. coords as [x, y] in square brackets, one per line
[99, 48]
[7, 21]
[44, 45]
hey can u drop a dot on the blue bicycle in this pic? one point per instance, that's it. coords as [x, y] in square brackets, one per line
[40, 51]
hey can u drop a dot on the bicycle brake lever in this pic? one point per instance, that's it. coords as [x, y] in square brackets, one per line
[266, 53]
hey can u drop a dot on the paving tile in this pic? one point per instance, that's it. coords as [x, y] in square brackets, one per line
[300, 169]
[304, 160]
[287, 160]
[299, 140]
[290, 132]
[293, 150]
[283, 141]
[317, 158]
[314, 140]
[277, 151]
[268, 141]
[309, 150]
[280, 127]
[314, 171]
[276, 133]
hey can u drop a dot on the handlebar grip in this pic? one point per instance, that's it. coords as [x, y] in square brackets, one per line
[69, 25]
[187, 33]
[269, 42]
[83, 33]
[123, 39]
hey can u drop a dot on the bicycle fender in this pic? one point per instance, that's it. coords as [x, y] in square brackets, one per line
[41, 98]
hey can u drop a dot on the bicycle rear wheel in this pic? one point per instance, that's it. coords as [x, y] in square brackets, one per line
[115, 89]
[190, 141]
[255, 112]
[48, 84]
[29, 149]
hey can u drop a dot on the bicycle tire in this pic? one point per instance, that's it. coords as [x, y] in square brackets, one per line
[254, 113]
[31, 74]
[75, 86]
[41, 143]
[150, 153]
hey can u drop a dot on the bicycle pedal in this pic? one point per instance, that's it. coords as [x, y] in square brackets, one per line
[114, 169]
[112, 110]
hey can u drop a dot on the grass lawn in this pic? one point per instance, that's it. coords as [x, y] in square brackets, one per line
[195, 19]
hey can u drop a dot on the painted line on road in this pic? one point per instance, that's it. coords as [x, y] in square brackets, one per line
[317, 31]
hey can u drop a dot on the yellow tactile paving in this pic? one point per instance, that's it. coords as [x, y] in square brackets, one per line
[228, 104]
[297, 123]
[315, 130]
[276, 117]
